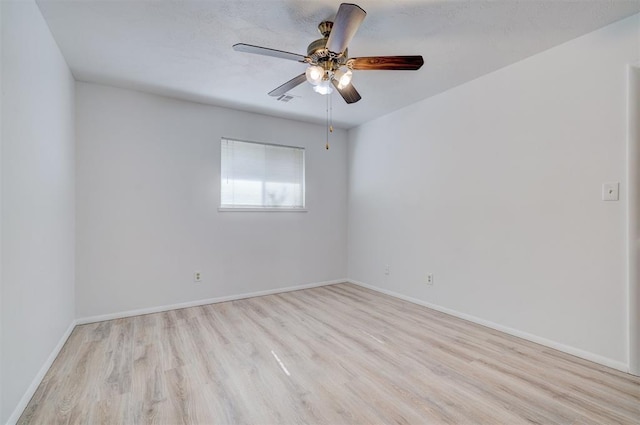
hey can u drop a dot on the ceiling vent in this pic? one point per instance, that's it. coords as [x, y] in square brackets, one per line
[284, 98]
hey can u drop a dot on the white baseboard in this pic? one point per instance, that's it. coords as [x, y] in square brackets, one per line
[22, 404]
[524, 335]
[149, 310]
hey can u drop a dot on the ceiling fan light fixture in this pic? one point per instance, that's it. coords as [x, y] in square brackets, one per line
[328, 63]
[324, 87]
[343, 77]
[314, 74]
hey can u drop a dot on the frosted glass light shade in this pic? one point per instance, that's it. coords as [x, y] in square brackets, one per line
[343, 77]
[314, 74]
[324, 87]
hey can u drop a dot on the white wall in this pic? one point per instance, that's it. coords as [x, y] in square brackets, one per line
[147, 205]
[494, 187]
[37, 213]
[633, 193]
[1, 133]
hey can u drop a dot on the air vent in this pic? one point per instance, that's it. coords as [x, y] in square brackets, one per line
[285, 98]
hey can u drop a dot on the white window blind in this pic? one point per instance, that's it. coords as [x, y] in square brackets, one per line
[259, 175]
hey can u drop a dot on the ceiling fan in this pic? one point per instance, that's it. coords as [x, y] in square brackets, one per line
[328, 60]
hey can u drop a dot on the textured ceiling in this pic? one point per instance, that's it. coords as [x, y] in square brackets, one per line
[182, 48]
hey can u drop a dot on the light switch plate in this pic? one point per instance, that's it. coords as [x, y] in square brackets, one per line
[610, 191]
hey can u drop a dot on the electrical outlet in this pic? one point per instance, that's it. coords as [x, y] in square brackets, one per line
[430, 279]
[197, 276]
[387, 269]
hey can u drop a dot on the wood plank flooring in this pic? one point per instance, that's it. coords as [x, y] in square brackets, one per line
[337, 354]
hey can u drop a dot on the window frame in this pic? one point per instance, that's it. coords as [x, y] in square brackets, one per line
[230, 208]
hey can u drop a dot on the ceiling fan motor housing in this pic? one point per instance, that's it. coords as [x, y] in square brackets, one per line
[320, 55]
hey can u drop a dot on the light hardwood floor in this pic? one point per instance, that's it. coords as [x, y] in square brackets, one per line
[338, 354]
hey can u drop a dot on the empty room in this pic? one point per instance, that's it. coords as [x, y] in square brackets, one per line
[314, 212]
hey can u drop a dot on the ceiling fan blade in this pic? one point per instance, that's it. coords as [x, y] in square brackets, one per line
[392, 63]
[294, 82]
[345, 25]
[349, 93]
[248, 48]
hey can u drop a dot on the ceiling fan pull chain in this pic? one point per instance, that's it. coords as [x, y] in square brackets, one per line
[330, 113]
[327, 130]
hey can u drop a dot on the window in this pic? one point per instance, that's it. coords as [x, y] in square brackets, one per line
[260, 175]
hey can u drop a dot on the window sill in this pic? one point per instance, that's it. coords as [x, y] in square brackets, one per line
[235, 209]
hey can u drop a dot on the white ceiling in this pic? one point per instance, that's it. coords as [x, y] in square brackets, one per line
[182, 48]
